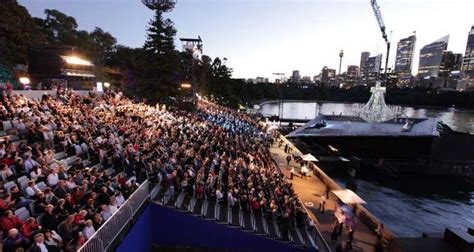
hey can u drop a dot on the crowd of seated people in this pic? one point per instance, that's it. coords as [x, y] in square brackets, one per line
[220, 154]
[63, 172]
[69, 162]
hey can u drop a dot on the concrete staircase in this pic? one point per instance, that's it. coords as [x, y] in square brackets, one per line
[297, 239]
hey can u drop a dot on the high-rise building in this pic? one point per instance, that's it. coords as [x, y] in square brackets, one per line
[352, 76]
[372, 65]
[468, 62]
[328, 76]
[296, 77]
[352, 71]
[363, 59]
[404, 58]
[306, 79]
[431, 58]
[262, 80]
[451, 62]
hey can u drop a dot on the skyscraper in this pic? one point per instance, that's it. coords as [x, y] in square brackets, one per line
[404, 58]
[363, 59]
[451, 62]
[295, 77]
[468, 62]
[372, 66]
[431, 57]
[328, 76]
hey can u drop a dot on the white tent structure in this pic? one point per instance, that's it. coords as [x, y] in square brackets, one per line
[310, 158]
[348, 197]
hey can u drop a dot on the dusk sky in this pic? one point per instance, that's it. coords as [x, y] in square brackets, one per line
[260, 37]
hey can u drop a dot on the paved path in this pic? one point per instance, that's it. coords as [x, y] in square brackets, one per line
[310, 190]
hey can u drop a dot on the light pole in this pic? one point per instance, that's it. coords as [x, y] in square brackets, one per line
[193, 47]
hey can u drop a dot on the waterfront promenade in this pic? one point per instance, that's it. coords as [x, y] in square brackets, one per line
[309, 191]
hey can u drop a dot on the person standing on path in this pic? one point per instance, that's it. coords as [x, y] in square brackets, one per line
[322, 203]
[379, 232]
[335, 233]
[304, 171]
[288, 160]
[327, 191]
[350, 238]
[292, 173]
[286, 148]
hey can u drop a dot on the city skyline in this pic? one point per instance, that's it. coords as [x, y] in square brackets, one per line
[262, 37]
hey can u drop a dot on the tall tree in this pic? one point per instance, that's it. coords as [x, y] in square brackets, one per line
[162, 68]
[59, 28]
[103, 45]
[17, 31]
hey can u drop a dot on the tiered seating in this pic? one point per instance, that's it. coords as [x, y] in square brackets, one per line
[46, 131]
[199, 195]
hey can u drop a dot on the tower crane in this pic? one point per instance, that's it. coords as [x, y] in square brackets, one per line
[279, 76]
[378, 16]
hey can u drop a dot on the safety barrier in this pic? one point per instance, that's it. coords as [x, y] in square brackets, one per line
[109, 231]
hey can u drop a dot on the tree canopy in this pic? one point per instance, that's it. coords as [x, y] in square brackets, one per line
[17, 31]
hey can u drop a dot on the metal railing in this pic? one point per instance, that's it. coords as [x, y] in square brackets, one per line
[109, 231]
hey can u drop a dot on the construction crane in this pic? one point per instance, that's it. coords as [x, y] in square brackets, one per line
[279, 76]
[378, 16]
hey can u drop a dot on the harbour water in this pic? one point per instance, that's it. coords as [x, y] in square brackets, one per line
[457, 119]
[409, 206]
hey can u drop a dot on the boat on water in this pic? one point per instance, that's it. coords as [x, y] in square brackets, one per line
[379, 139]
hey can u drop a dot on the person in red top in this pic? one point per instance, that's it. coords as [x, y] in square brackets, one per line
[79, 217]
[6, 202]
[29, 227]
[9, 87]
[121, 179]
[255, 205]
[6, 160]
[9, 221]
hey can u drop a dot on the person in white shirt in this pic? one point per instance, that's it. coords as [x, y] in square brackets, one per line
[119, 198]
[2, 150]
[304, 171]
[32, 189]
[5, 172]
[88, 229]
[105, 213]
[35, 173]
[230, 199]
[53, 178]
[29, 163]
[70, 184]
[219, 195]
[39, 243]
[113, 206]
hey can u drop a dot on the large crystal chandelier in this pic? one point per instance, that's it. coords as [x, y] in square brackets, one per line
[376, 110]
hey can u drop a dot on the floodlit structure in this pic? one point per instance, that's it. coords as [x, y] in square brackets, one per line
[376, 110]
[62, 65]
[193, 46]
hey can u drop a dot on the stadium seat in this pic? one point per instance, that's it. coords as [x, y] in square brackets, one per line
[8, 186]
[22, 213]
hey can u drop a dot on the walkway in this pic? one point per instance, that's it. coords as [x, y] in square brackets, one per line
[310, 190]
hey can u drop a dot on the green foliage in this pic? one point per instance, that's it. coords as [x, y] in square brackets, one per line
[59, 28]
[17, 31]
[160, 75]
[103, 45]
